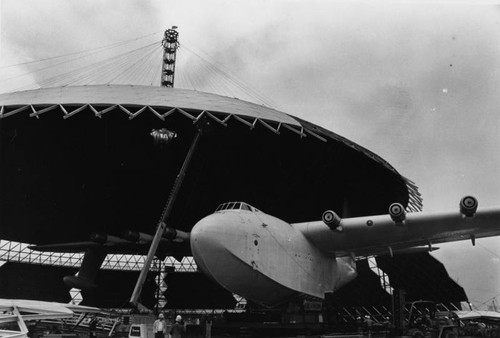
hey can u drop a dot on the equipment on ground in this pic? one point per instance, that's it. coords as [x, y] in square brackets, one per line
[426, 320]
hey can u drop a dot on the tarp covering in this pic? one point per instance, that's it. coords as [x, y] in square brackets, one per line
[144, 96]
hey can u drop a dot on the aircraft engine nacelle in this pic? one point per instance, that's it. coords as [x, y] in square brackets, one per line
[468, 206]
[110, 239]
[331, 219]
[137, 237]
[397, 213]
[170, 234]
[98, 238]
[175, 235]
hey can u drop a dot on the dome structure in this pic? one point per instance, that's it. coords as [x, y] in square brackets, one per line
[81, 159]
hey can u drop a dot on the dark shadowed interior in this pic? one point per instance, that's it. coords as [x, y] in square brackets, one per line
[63, 178]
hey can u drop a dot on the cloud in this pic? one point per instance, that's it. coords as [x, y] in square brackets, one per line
[373, 73]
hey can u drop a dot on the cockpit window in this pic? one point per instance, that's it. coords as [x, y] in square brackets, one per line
[236, 206]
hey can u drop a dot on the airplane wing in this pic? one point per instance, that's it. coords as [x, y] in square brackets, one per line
[128, 243]
[110, 248]
[399, 232]
[174, 243]
[72, 247]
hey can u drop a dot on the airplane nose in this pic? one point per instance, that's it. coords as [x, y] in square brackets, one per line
[207, 242]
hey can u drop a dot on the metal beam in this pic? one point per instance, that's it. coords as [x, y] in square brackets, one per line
[160, 230]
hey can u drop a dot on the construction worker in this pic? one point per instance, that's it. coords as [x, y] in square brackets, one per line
[178, 328]
[160, 326]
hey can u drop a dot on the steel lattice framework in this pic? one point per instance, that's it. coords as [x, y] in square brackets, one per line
[384, 278]
[20, 253]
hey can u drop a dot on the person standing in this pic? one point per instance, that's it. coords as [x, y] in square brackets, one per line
[178, 328]
[208, 328]
[160, 326]
[368, 325]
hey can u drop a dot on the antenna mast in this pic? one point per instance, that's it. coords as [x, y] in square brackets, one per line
[170, 44]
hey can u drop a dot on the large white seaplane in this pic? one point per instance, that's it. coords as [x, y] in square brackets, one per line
[267, 260]
[270, 261]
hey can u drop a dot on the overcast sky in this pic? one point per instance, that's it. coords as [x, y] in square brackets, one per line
[415, 82]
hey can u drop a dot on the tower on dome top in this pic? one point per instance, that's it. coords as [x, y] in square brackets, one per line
[170, 44]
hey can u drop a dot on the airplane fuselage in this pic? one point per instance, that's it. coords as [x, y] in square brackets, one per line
[263, 258]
